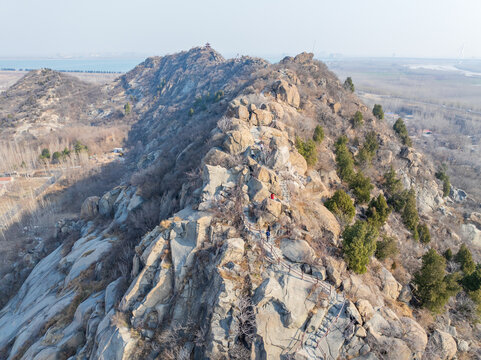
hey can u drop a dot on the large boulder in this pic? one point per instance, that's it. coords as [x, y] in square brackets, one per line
[215, 178]
[336, 107]
[276, 109]
[238, 141]
[258, 190]
[297, 250]
[282, 307]
[475, 218]
[314, 183]
[233, 250]
[441, 345]
[238, 110]
[405, 295]
[458, 195]
[268, 177]
[287, 93]
[356, 286]
[414, 335]
[394, 348]
[216, 157]
[390, 287]
[113, 293]
[365, 309]
[241, 112]
[352, 311]
[261, 117]
[428, 198]
[470, 233]
[114, 341]
[334, 269]
[298, 162]
[90, 208]
[272, 209]
[107, 201]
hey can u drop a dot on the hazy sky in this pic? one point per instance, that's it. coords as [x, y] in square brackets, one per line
[408, 28]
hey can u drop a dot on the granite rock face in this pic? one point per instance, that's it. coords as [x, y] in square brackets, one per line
[204, 281]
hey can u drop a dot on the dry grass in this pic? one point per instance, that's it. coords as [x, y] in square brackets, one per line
[424, 317]
[400, 309]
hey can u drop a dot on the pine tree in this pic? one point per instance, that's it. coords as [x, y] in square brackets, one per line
[391, 182]
[472, 282]
[378, 211]
[410, 215]
[434, 288]
[424, 234]
[448, 254]
[400, 128]
[465, 259]
[361, 187]
[441, 175]
[358, 245]
[341, 205]
[349, 85]
[308, 150]
[344, 160]
[127, 108]
[378, 112]
[368, 150]
[357, 120]
[45, 154]
[318, 134]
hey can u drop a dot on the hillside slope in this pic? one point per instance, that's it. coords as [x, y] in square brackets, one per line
[45, 101]
[177, 263]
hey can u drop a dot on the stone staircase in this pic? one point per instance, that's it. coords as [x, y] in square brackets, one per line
[324, 338]
[285, 191]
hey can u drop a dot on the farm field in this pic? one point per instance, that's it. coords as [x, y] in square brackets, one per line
[442, 96]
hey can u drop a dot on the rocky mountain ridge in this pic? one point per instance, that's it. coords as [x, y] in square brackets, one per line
[176, 264]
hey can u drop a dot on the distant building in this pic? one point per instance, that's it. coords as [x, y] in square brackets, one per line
[6, 180]
[427, 132]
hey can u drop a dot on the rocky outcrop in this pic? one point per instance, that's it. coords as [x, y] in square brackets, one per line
[238, 141]
[297, 250]
[90, 208]
[471, 234]
[400, 338]
[390, 287]
[441, 345]
[107, 201]
[458, 195]
[287, 93]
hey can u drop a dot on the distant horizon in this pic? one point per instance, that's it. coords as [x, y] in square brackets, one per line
[123, 64]
[280, 56]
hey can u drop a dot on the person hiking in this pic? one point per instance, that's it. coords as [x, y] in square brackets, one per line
[268, 232]
[253, 154]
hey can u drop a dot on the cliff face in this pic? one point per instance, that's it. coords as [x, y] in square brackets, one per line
[215, 149]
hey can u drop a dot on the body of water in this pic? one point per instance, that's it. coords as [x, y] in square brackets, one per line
[84, 65]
